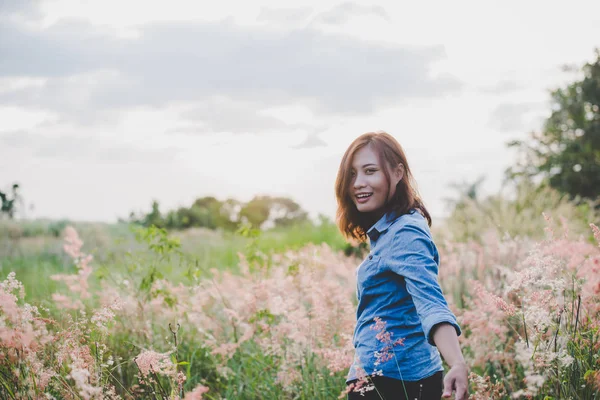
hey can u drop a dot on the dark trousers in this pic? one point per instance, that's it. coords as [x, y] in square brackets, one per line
[430, 388]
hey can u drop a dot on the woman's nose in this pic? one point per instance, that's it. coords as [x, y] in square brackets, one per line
[358, 182]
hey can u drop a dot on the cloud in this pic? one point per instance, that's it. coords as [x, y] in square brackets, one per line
[69, 147]
[67, 48]
[511, 117]
[503, 87]
[24, 8]
[220, 114]
[88, 72]
[77, 98]
[311, 141]
[341, 13]
[284, 15]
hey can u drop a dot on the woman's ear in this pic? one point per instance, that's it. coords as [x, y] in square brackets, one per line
[400, 172]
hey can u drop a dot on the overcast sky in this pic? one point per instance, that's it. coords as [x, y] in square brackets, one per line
[106, 105]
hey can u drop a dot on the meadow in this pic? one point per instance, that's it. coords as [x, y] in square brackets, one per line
[91, 311]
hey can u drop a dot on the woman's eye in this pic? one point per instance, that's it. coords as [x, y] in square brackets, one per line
[370, 171]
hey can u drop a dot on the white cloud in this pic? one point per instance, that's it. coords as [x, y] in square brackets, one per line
[311, 141]
[287, 16]
[517, 117]
[342, 13]
[89, 71]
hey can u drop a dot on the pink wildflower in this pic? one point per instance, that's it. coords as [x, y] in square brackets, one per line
[8, 305]
[548, 227]
[73, 243]
[597, 380]
[77, 283]
[385, 337]
[65, 302]
[596, 231]
[181, 378]
[362, 385]
[81, 377]
[197, 393]
[226, 350]
[345, 392]
[149, 361]
[496, 300]
[11, 284]
[106, 314]
[484, 388]
[287, 376]
[337, 359]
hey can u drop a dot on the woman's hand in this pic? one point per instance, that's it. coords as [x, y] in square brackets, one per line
[457, 380]
[444, 337]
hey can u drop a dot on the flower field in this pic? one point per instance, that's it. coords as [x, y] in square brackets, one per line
[280, 325]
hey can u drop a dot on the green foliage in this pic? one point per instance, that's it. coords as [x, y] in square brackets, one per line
[280, 210]
[517, 214]
[157, 240]
[256, 211]
[34, 271]
[566, 153]
[256, 259]
[209, 212]
[144, 269]
[154, 217]
[297, 235]
[55, 228]
[8, 206]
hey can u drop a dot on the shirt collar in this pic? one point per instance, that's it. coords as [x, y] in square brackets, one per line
[381, 225]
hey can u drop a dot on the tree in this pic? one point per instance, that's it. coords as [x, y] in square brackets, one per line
[9, 205]
[207, 212]
[194, 217]
[229, 214]
[257, 210]
[566, 153]
[208, 202]
[154, 217]
[286, 212]
[280, 211]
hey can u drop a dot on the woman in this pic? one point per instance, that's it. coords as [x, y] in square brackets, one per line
[403, 321]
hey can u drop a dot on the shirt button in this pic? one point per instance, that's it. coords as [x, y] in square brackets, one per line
[370, 256]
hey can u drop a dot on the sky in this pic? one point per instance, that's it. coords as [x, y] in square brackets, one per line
[106, 105]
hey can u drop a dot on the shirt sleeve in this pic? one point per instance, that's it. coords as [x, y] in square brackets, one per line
[414, 257]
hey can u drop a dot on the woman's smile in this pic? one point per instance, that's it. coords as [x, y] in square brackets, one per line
[363, 197]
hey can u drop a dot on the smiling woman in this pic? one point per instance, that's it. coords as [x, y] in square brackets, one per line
[402, 316]
[374, 164]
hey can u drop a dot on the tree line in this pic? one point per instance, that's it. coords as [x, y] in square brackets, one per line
[212, 213]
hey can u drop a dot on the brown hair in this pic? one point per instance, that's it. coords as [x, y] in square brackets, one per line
[351, 222]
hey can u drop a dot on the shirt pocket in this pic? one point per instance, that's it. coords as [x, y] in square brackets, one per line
[368, 274]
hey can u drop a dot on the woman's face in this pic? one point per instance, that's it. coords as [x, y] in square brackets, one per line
[369, 188]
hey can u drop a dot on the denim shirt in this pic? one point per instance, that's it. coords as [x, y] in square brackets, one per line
[397, 282]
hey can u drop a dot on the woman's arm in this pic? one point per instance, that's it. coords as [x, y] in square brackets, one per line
[415, 259]
[445, 339]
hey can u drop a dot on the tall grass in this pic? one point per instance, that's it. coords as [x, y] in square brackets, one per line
[165, 316]
[516, 212]
[35, 258]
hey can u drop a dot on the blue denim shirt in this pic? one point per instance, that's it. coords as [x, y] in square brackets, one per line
[397, 282]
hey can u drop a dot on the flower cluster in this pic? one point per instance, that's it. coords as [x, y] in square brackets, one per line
[527, 310]
[385, 337]
[530, 313]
